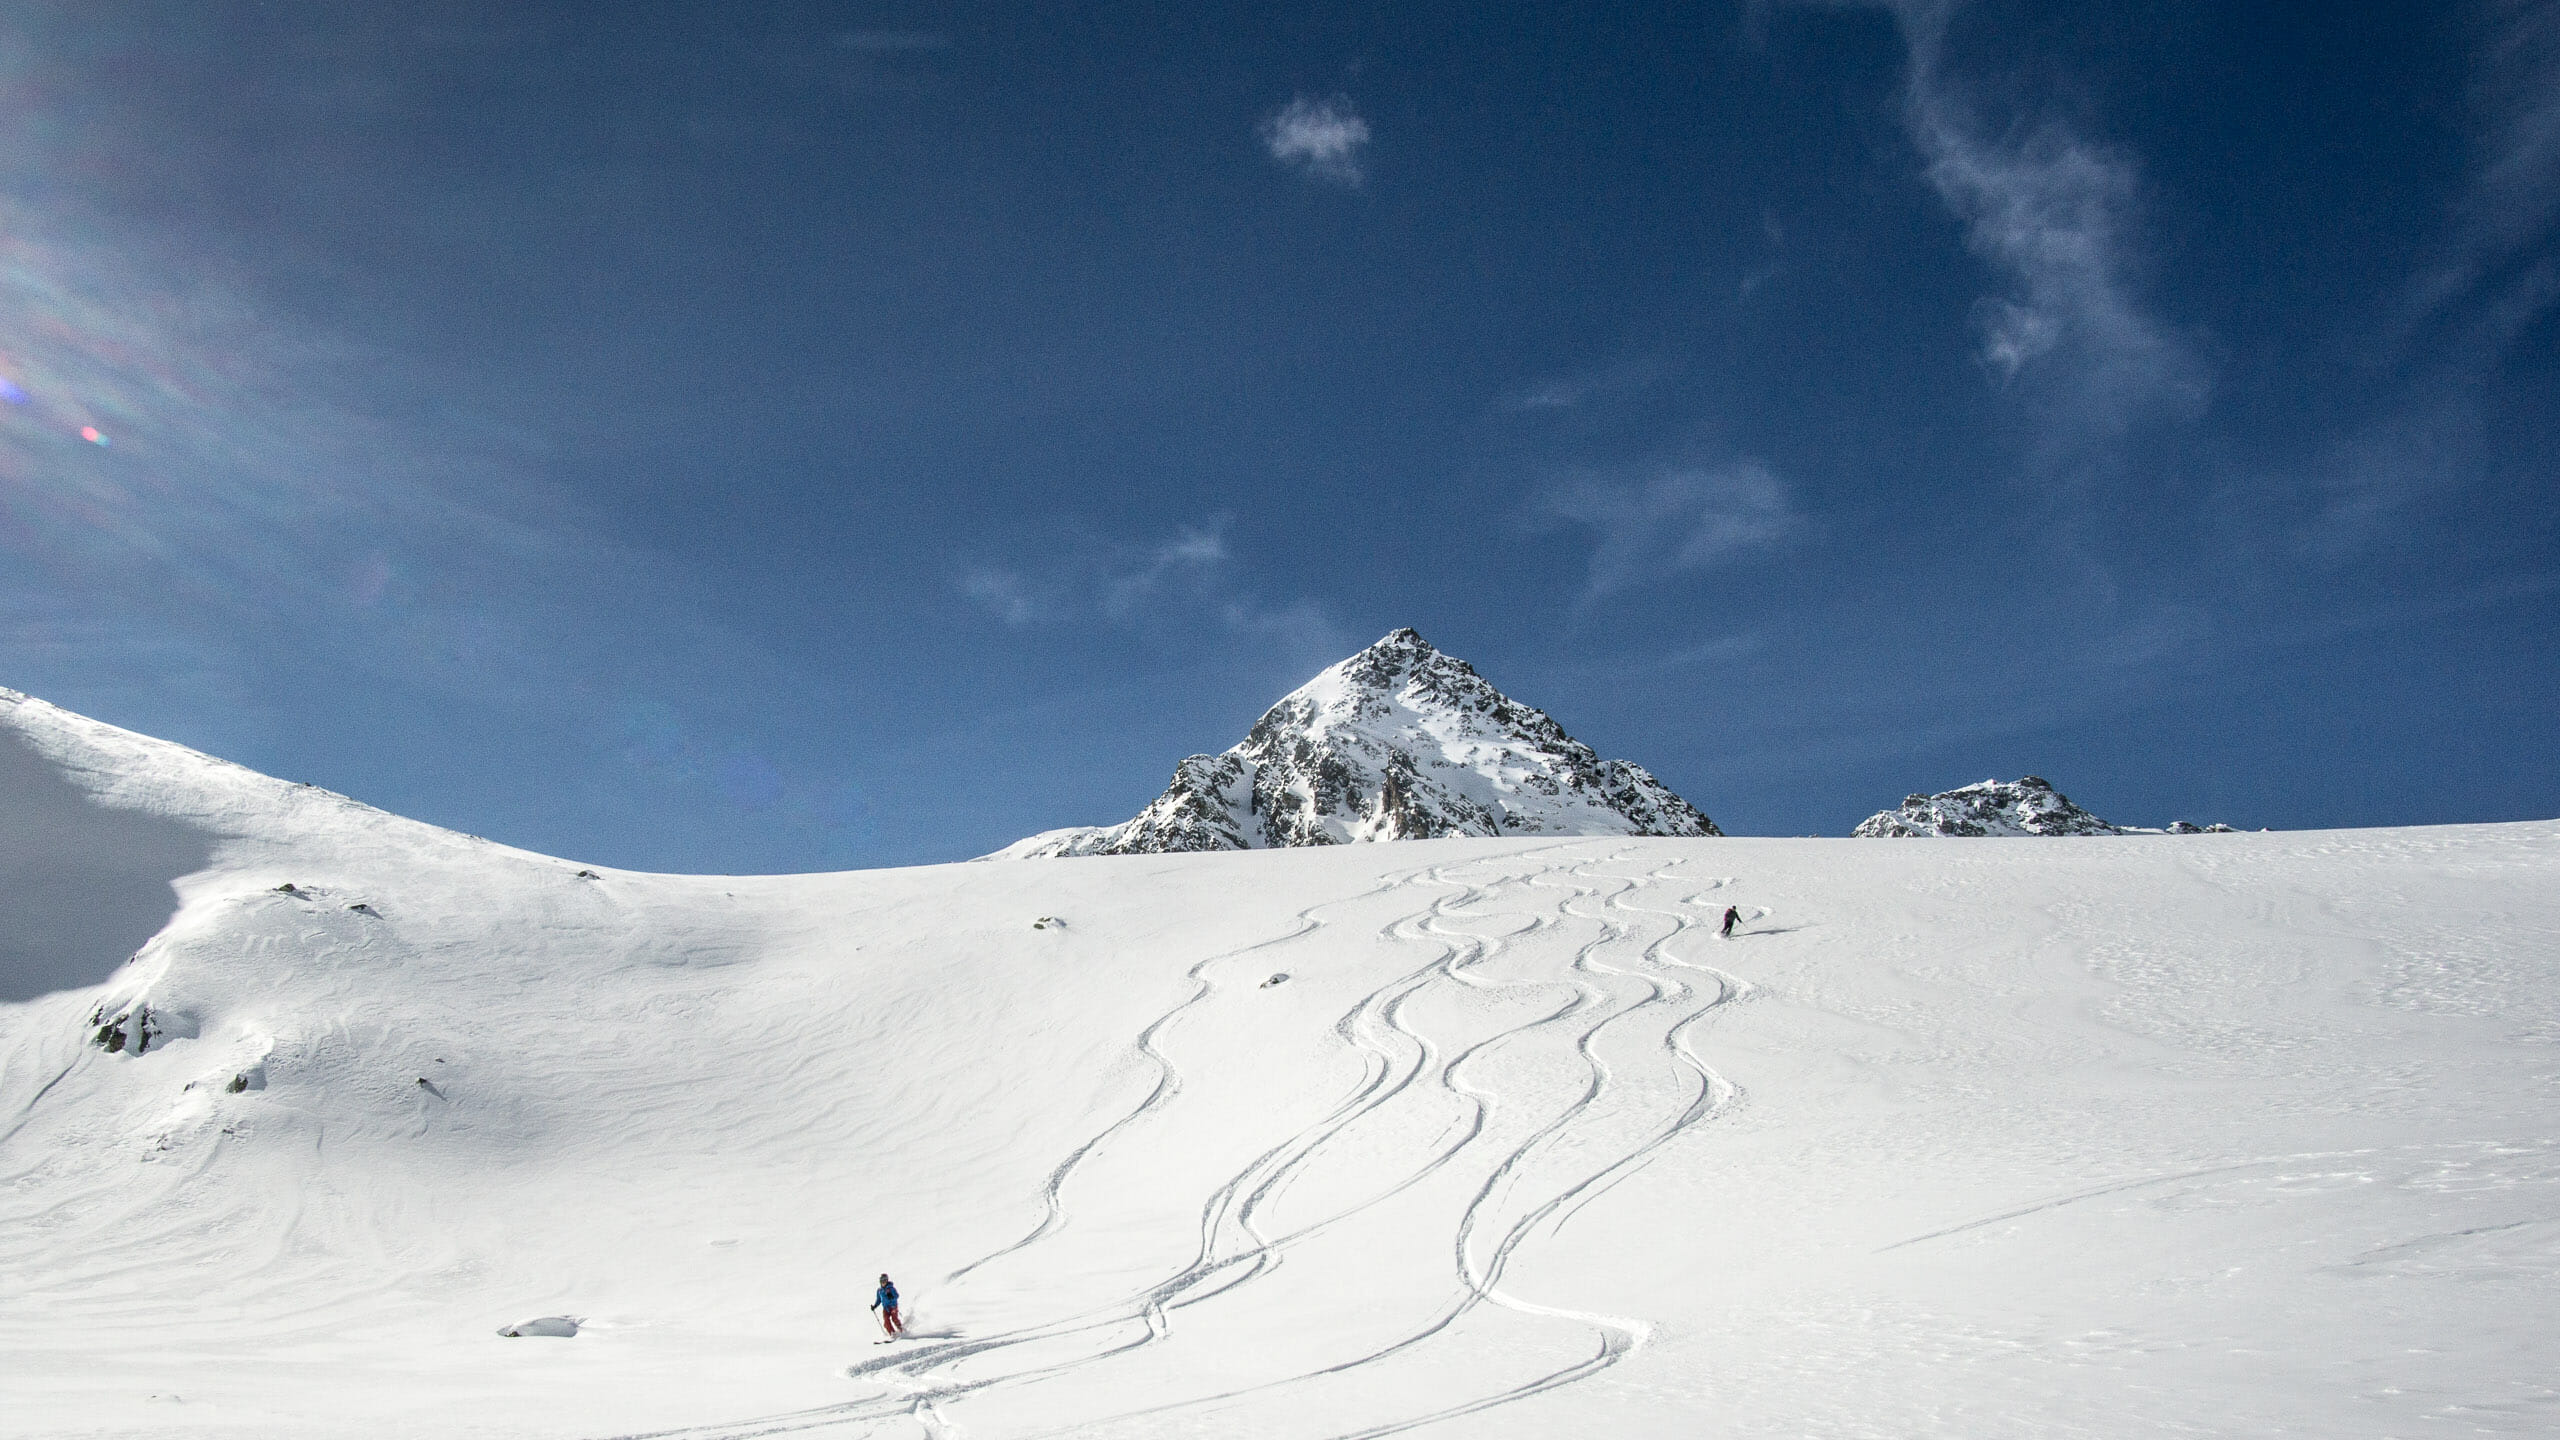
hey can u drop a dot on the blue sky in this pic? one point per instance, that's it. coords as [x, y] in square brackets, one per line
[797, 436]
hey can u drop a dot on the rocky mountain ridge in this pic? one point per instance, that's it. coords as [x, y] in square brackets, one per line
[1399, 742]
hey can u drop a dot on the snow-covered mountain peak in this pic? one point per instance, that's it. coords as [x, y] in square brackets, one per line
[1400, 741]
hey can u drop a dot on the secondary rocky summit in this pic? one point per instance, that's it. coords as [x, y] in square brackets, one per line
[1399, 742]
[2027, 806]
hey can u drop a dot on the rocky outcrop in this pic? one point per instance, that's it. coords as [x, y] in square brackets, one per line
[2026, 806]
[1399, 742]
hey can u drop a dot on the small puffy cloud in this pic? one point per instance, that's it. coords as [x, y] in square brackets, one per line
[1677, 522]
[1321, 139]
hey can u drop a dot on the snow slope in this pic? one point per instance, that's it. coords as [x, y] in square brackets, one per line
[2117, 1137]
[1399, 742]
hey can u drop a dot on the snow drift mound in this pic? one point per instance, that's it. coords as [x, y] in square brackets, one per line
[1399, 742]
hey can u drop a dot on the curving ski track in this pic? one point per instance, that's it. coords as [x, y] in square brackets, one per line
[1626, 979]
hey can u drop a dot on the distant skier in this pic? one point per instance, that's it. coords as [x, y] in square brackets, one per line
[886, 1302]
[1732, 917]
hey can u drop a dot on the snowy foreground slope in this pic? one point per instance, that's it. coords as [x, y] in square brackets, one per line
[2124, 1136]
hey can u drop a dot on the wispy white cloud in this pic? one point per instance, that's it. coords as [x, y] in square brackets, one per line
[1300, 633]
[1675, 522]
[2058, 214]
[1773, 230]
[1722, 649]
[1084, 576]
[1188, 581]
[1008, 595]
[2426, 447]
[1191, 553]
[1565, 392]
[2502, 242]
[892, 42]
[1551, 395]
[1321, 139]
[2495, 272]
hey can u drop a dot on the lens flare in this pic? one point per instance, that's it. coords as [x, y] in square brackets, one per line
[11, 391]
[90, 434]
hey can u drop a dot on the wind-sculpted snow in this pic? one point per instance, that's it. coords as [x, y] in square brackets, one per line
[2145, 1137]
[1399, 742]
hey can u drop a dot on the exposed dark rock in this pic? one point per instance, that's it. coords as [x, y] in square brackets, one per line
[128, 1030]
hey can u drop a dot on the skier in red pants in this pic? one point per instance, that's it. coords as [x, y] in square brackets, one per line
[885, 1300]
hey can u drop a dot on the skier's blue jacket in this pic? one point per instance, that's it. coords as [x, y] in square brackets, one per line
[887, 1298]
